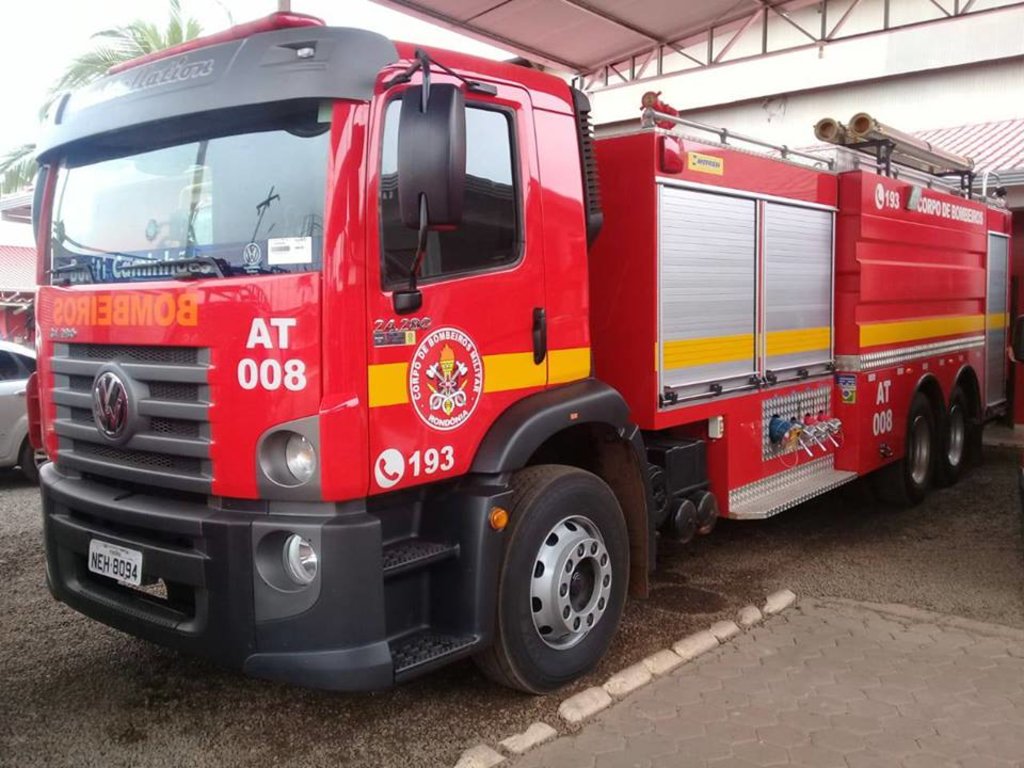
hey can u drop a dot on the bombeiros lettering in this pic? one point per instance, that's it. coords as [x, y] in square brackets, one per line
[127, 309]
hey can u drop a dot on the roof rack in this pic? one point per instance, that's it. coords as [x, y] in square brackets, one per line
[653, 118]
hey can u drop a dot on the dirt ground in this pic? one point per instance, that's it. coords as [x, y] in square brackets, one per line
[73, 692]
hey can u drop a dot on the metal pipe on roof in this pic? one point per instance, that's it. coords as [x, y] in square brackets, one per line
[863, 127]
[830, 130]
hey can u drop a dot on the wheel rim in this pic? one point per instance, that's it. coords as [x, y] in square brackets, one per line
[957, 434]
[920, 450]
[571, 585]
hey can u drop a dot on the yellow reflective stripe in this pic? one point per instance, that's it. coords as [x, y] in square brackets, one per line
[568, 364]
[996, 320]
[685, 353]
[515, 370]
[797, 340]
[388, 384]
[875, 334]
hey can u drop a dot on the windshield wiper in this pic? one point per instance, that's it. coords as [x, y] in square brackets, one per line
[87, 268]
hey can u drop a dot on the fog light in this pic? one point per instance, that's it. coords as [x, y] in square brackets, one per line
[300, 457]
[300, 560]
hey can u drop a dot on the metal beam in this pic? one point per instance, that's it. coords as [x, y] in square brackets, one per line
[754, 17]
[938, 5]
[842, 20]
[611, 19]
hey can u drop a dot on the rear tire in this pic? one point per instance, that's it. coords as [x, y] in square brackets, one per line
[906, 482]
[958, 437]
[27, 462]
[557, 609]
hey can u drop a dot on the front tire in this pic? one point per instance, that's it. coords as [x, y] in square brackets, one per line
[562, 584]
[906, 482]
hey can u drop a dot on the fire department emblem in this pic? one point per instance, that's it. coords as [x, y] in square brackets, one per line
[446, 378]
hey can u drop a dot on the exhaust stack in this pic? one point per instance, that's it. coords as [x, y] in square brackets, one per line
[906, 149]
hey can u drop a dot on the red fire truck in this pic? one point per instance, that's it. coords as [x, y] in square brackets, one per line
[356, 358]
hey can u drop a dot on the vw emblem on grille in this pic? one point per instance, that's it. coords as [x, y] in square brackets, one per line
[110, 404]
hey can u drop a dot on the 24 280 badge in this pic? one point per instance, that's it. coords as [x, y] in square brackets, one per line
[446, 379]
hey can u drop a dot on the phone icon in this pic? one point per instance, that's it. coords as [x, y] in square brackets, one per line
[389, 469]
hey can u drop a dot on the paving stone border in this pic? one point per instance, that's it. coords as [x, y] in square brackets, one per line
[587, 703]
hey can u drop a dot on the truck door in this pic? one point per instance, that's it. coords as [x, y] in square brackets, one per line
[439, 377]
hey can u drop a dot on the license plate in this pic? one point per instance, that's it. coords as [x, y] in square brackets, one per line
[115, 562]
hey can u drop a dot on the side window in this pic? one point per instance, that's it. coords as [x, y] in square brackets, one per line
[9, 369]
[28, 363]
[488, 236]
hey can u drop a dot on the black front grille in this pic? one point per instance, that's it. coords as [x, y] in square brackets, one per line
[174, 390]
[183, 465]
[168, 446]
[123, 353]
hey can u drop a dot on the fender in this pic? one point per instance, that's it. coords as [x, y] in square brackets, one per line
[525, 425]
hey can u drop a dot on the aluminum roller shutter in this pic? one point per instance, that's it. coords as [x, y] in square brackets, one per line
[797, 252]
[996, 320]
[707, 276]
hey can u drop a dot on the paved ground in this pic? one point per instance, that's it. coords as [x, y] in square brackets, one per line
[73, 692]
[826, 684]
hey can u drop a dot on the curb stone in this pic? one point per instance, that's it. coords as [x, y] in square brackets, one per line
[628, 680]
[779, 601]
[693, 646]
[480, 756]
[534, 736]
[724, 630]
[585, 704]
[662, 662]
[748, 616]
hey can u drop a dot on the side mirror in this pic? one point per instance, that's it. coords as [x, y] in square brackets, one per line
[432, 156]
[1017, 339]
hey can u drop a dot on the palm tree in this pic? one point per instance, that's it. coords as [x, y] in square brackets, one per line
[112, 46]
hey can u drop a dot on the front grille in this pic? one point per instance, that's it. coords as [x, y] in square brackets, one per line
[123, 353]
[169, 442]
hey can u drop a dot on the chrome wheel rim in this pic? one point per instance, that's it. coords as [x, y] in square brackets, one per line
[957, 435]
[920, 450]
[571, 582]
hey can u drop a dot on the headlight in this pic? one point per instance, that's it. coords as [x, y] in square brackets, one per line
[300, 458]
[300, 560]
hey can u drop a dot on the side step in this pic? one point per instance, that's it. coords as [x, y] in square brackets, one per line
[779, 492]
[411, 554]
[425, 649]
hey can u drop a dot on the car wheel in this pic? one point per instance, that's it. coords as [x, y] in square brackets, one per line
[28, 462]
[562, 584]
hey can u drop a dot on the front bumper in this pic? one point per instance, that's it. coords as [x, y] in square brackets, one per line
[340, 633]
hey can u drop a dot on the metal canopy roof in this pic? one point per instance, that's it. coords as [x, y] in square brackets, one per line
[608, 42]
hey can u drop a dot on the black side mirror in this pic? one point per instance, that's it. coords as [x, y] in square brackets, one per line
[431, 170]
[1017, 339]
[432, 155]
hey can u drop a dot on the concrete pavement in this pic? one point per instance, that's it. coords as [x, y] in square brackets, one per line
[828, 683]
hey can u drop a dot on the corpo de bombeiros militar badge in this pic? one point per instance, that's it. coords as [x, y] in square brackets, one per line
[446, 379]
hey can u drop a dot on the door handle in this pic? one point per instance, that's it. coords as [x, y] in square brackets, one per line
[540, 335]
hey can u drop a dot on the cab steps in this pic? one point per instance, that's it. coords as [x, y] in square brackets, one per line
[412, 554]
[425, 649]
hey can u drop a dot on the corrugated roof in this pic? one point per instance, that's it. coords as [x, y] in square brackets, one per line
[17, 268]
[995, 146]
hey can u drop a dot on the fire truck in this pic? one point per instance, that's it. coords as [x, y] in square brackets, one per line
[357, 358]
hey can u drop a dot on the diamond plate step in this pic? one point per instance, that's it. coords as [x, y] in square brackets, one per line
[786, 489]
[410, 554]
[413, 653]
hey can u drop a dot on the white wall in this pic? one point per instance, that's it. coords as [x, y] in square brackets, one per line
[968, 69]
[16, 233]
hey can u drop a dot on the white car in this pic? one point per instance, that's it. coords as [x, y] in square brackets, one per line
[16, 364]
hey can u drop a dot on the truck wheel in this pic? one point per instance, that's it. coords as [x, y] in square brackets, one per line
[562, 584]
[955, 456]
[906, 482]
[27, 462]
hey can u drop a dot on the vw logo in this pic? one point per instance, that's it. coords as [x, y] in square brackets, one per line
[252, 254]
[110, 404]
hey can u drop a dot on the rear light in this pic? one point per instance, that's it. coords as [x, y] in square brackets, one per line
[35, 422]
[266, 24]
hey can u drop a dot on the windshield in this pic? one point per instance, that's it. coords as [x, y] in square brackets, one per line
[245, 204]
